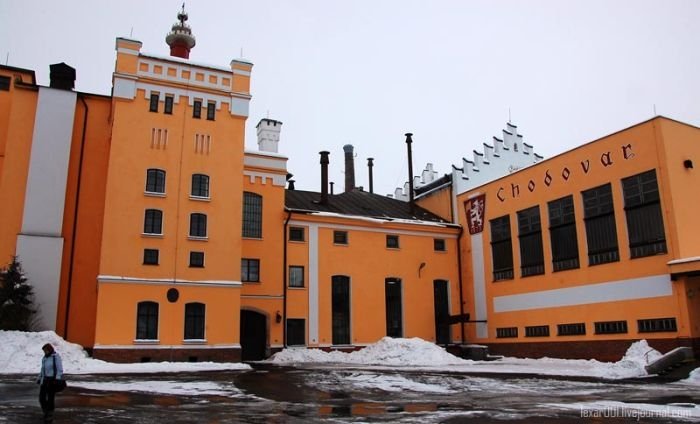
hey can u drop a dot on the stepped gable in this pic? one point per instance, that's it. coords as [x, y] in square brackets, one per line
[358, 203]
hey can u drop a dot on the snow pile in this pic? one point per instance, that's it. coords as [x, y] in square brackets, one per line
[419, 353]
[387, 351]
[20, 353]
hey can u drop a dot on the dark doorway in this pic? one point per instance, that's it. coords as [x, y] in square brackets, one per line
[442, 312]
[394, 312]
[341, 309]
[253, 335]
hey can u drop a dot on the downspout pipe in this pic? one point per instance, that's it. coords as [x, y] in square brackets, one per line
[75, 216]
[284, 280]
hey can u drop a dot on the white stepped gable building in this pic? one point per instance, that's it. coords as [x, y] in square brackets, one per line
[505, 156]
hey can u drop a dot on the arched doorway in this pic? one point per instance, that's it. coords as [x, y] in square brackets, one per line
[253, 335]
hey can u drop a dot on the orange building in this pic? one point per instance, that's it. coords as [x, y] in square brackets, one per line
[150, 233]
[583, 253]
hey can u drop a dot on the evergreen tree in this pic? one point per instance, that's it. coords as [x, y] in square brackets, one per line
[16, 298]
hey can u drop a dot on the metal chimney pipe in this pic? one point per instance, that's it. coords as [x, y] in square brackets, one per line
[370, 165]
[349, 167]
[409, 141]
[324, 176]
[332, 184]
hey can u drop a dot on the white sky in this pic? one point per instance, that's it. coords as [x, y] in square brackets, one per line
[365, 72]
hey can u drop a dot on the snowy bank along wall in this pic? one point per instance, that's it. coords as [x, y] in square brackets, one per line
[577, 255]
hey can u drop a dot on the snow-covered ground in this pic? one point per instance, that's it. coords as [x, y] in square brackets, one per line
[20, 353]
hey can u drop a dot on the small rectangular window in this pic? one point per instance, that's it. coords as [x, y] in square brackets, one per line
[296, 276]
[501, 249]
[576, 329]
[168, 105]
[198, 225]
[506, 332]
[153, 222]
[340, 237]
[197, 109]
[296, 234]
[296, 332]
[252, 215]
[211, 111]
[439, 245]
[5, 83]
[153, 107]
[197, 259]
[537, 331]
[250, 270]
[611, 327]
[392, 241]
[657, 325]
[150, 256]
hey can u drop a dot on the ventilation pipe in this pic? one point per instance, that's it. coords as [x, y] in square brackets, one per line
[324, 177]
[349, 167]
[370, 165]
[409, 141]
[332, 184]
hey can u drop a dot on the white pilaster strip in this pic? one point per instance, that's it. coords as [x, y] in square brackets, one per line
[313, 284]
[480, 311]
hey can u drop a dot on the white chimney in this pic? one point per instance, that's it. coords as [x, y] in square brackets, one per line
[269, 135]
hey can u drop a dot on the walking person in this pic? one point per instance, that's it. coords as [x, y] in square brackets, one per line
[51, 370]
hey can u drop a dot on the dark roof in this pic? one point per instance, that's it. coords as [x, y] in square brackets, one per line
[445, 179]
[357, 203]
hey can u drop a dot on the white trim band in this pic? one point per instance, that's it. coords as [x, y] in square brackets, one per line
[614, 291]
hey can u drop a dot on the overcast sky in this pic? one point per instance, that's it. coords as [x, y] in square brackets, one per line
[366, 72]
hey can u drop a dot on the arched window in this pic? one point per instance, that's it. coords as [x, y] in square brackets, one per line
[252, 215]
[155, 181]
[153, 222]
[200, 185]
[198, 225]
[194, 321]
[147, 321]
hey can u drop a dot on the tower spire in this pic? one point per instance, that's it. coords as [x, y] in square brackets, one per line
[180, 38]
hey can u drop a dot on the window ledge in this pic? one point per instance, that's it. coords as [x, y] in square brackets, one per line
[197, 238]
[341, 244]
[152, 235]
[153, 194]
[194, 341]
[252, 238]
[296, 288]
[251, 282]
[200, 199]
[146, 342]
[393, 248]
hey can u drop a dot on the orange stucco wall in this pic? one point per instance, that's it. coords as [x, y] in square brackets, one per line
[76, 319]
[607, 160]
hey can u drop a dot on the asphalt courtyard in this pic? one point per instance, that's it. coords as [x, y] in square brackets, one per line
[271, 394]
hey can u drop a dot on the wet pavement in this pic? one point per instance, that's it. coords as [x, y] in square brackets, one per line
[272, 394]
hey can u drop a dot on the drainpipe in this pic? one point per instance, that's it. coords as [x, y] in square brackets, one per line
[75, 218]
[284, 281]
